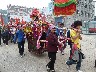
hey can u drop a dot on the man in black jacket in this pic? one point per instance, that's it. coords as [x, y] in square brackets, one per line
[0, 36]
[0, 33]
[5, 35]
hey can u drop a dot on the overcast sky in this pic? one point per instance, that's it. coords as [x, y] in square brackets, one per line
[27, 3]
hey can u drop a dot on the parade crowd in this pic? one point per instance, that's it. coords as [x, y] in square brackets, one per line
[46, 37]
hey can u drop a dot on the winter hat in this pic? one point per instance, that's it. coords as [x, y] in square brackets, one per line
[52, 26]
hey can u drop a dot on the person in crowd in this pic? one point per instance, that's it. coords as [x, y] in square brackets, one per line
[21, 40]
[76, 56]
[29, 39]
[5, 36]
[69, 41]
[57, 31]
[58, 24]
[13, 31]
[52, 48]
[62, 37]
[42, 43]
[0, 35]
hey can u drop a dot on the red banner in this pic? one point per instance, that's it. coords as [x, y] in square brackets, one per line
[69, 10]
[61, 1]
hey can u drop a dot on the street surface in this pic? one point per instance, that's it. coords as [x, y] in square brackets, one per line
[10, 60]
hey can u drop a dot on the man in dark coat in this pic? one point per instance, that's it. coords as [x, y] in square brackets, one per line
[0, 35]
[52, 48]
[29, 39]
[5, 35]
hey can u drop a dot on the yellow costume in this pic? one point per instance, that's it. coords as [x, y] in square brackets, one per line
[75, 41]
[27, 29]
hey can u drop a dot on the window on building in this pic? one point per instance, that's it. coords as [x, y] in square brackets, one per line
[15, 13]
[77, 1]
[77, 12]
[82, 13]
[90, 1]
[85, 6]
[89, 15]
[85, 14]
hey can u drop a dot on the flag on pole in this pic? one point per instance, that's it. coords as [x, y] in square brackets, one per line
[17, 20]
[1, 20]
[23, 22]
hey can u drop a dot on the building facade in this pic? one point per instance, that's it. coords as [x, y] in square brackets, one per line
[51, 7]
[18, 12]
[4, 15]
[44, 10]
[85, 12]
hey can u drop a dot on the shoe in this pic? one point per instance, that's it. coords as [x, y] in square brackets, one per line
[21, 56]
[48, 69]
[68, 66]
[53, 71]
[6, 45]
[79, 71]
[62, 53]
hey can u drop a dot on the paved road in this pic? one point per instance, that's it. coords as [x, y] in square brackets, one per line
[10, 61]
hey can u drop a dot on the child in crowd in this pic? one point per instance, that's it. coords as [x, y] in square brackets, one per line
[76, 55]
[69, 41]
[62, 37]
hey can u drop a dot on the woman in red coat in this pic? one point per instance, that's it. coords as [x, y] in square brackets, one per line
[52, 48]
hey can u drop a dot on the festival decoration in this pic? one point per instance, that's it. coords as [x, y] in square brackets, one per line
[23, 22]
[34, 32]
[64, 7]
[27, 29]
[17, 20]
[35, 13]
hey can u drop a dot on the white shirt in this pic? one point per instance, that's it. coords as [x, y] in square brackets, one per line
[13, 30]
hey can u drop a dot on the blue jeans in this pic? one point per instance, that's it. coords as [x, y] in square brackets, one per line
[70, 62]
[79, 62]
